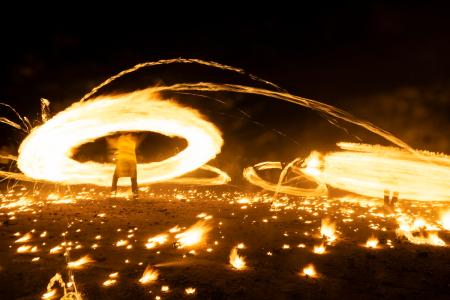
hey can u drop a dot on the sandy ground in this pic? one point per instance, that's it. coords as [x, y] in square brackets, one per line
[398, 269]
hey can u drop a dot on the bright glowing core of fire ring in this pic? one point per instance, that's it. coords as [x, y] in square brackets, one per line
[46, 153]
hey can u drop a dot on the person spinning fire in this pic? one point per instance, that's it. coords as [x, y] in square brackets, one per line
[125, 158]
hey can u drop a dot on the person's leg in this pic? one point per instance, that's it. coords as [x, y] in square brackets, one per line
[386, 197]
[114, 182]
[394, 199]
[134, 186]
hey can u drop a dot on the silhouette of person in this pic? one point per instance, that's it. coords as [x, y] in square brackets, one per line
[126, 163]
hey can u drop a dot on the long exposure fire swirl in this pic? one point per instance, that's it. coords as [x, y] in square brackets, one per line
[46, 153]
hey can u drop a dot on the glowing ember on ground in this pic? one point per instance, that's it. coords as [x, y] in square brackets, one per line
[319, 249]
[328, 229]
[236, 261]
[194, 235]
[310, 271]
[25, 238]
[121, 243]
[79, 263]
[372, 242]
[190, 290]
[416, 231]
[49, 294]
[149, 275]
[175, 229]
[109, 282]
[165, 288]
[24, 249]
[157, 240]
[56, 249]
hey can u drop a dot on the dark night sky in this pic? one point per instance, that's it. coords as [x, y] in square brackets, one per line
[387, 63]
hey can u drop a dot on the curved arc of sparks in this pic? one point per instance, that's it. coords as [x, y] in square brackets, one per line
[309, 103]
[251, 175]
[172, 61]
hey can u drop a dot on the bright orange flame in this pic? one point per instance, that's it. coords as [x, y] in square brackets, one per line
[310, 271]
[416, 231]
[372, 242]
[27, 249]
[121, 243]
[159, 239]
[56, 249]
[312, 164]
[79, 263]
[25, 238]
[194, 235]
[238, 262]
[319, 249]
[149, 275]
[328, 229]
[190, 290]
[109, 282]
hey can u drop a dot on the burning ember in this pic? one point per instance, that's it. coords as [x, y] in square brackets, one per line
[309, 271]
[320, 249]
[157, 240]
[77, 264]
[372, 242]
[194, 235]
[236, 261]
[328, 230]
[149, 275]
[190, 291]
[49, 295]
[417, 231]
[25, 238]
[109, 282]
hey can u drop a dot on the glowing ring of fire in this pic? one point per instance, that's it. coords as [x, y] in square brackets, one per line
[251, 175]
[46, 153]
